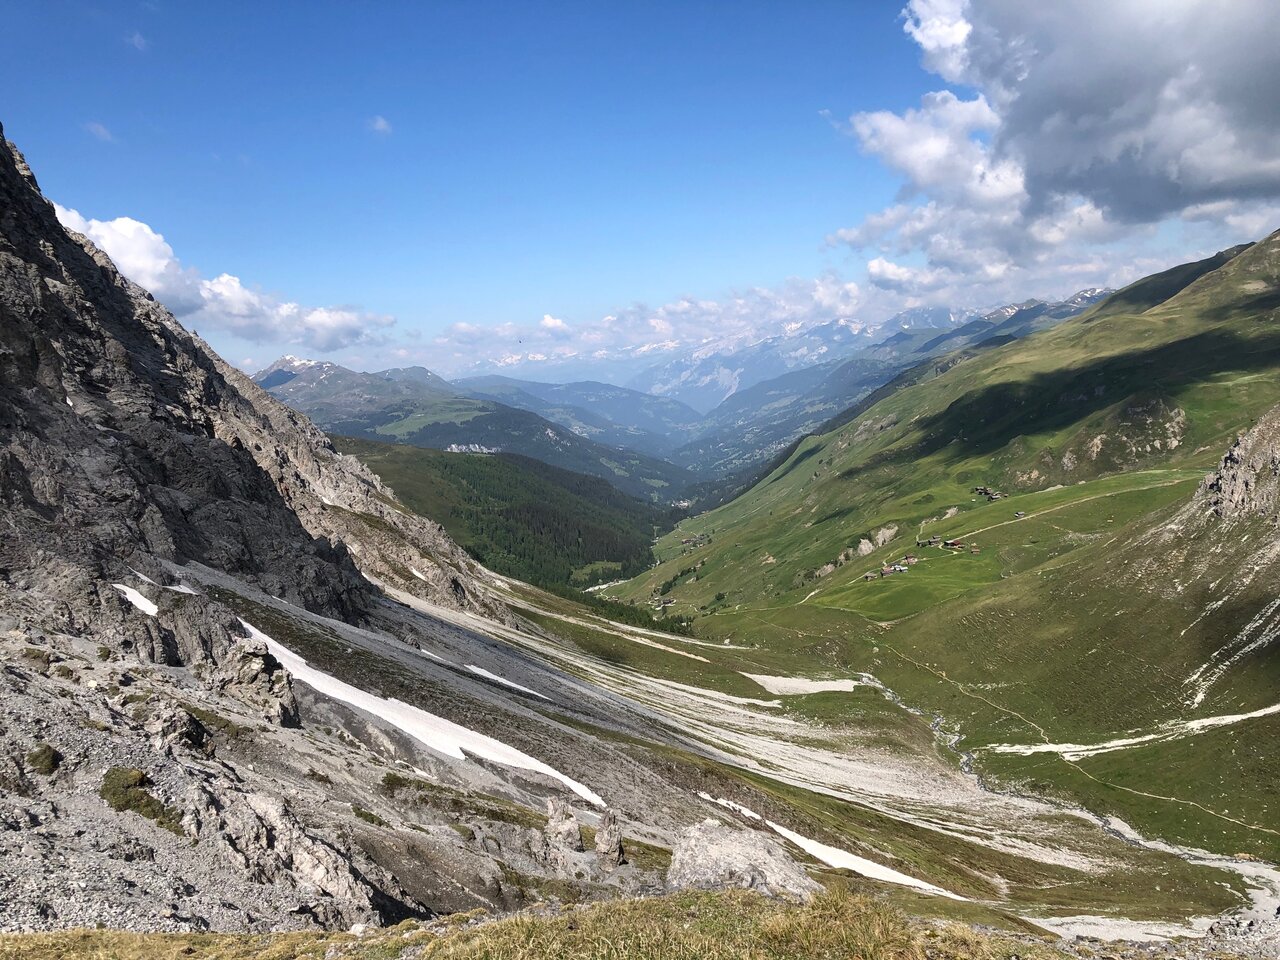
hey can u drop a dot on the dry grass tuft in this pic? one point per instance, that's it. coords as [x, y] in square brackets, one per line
[837, 925]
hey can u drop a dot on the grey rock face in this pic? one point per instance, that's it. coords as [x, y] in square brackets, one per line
[172, 726]
[263, 838]
[250, 673]
[712, 856]
[562, 828]
[1247, 481]
[609, 841]
[124, 441]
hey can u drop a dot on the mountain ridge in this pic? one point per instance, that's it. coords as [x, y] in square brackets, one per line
[415, 409]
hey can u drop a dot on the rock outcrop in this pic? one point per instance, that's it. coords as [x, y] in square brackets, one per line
[562, 830]
[608, 843]
[1247, 481]
[712, 856]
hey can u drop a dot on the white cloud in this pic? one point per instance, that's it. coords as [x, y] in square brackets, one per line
[641, 331]
[380, 124]
[137, 41]
[100, 131]
[222, 303]
[142, 255]
[942, 30]
[936, 148]
[1069, 143]
[1246, 219]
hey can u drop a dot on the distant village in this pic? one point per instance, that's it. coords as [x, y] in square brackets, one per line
[692, 543]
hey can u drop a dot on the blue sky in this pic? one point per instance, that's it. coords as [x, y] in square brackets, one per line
[478, 171]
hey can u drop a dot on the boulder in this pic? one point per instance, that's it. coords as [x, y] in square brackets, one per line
[712, 856]
[171, 725]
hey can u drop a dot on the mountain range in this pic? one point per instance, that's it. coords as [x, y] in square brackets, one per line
[710, 373]
[992, 648]
[417, 407]
[653, 447]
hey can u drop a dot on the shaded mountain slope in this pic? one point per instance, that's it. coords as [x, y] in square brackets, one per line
[519, 516]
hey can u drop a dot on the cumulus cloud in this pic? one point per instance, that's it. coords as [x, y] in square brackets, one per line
[222, 303]
[380, 125]
[1142, 106]
[937, 149]
[137, 41]
[942, 30]
[1077, 126]
[1067, 146]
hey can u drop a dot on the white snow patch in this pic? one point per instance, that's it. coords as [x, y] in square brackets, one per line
[482, 672]
[799, 685]
[603, 586]
[70, 404]
[1174, 730]
[1118, 928]
[441, 735]
[1259, 632]
[182, 588]
[137, 599]
[835, 857]
[142, 576]
[417, 573]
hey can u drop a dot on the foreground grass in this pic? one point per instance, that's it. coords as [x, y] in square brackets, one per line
[687, 926]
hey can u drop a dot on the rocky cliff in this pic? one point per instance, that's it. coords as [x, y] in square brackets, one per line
[1247, 481]
[124, 441]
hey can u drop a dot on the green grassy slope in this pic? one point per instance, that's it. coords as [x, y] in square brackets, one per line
[1076, 623]
[520, 516]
